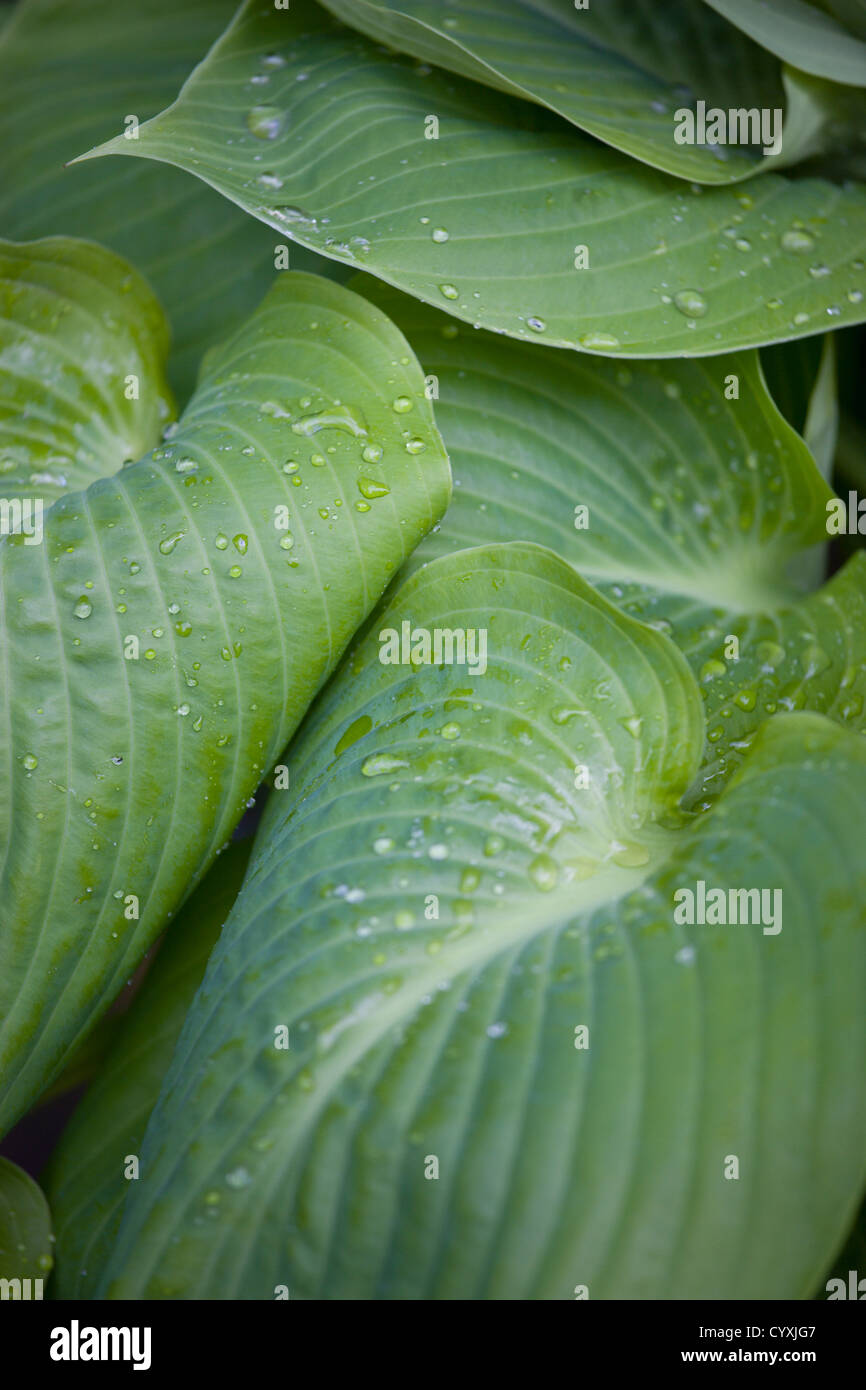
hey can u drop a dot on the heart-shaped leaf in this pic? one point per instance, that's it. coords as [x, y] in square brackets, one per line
[617, 73]
[87, 1178]
[458, 1040]
[82, 387]
[162, 643]
[677, 488]
[439, 187]
[25, 1234]
[74, 71]
[801, 34]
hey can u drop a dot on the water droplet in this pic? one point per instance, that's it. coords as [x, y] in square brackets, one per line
[537, 325]
[238, 1177]
[370, 488]
[497, 1030]
[240, 543]
[711, 669]
[167, 546]
[401, 404]
[544, 873]
[415, 446]
[598, 340]
[337, 418]
[450, 731]
[818, 272]
[186, 465]
[383, 845]
[265, 122]
[371, 453]
[691, 303]
[632, 725]
[30, 762]
[221, 542]
[83, 608]
[287, 541]
[268, 179]
[440, 234]
[449, 291]
[797, 241]
[493, 845]
[235, 571]
[381, 763]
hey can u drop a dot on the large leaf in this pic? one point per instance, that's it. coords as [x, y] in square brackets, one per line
[162, 644]
[25, 1234]
[703, 511]
[71, 71]
[616, 71]
[445, 1027]
[83, 326]
[801, 34]
[485, 221]
[87, 1177]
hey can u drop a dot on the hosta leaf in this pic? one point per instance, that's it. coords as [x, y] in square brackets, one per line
[86, 1182]
[162, 644]
[417, 1037]
[71, 71]
[25, 1233]
[83, 344]
[699, 509]
[616, 70]
[486, 220]
[801, 34]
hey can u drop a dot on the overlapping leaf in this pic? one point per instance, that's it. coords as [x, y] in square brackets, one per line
[537, 232]
[801, 34]
[438, 909]
[25, 1233]
[161, 645]
[86, 1181]
[618, 70]
[678, 489]
[71, 71]
[82, 349]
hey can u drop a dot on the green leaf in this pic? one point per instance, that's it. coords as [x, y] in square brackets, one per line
[162, 644]
[81, 332]
[486, 220]
[704, 513]
[415, 1036]
[617, 73]
[25, 1233]
[71, 71]
[801, 34]
[85, 1180]
[793, 372]
[850, 13]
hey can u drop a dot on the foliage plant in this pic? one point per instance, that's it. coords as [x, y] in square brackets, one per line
[437, 427]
